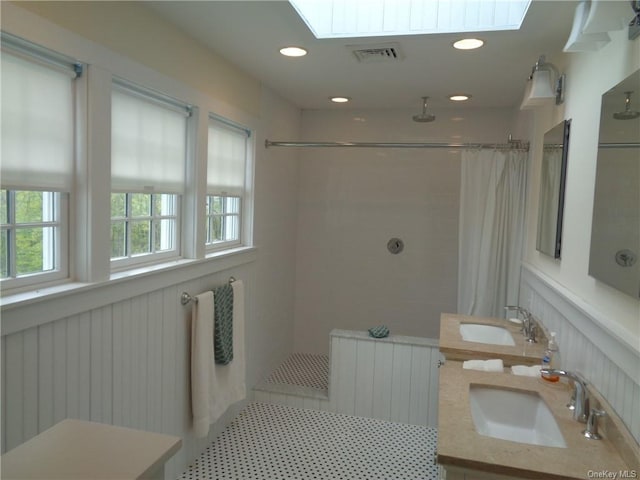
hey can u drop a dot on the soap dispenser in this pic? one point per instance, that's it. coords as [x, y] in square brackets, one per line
[550, 360]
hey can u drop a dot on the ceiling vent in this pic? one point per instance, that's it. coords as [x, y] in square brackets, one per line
[383, 53]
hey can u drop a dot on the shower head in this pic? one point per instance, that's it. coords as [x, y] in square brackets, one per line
[424, 116]
[627, 113]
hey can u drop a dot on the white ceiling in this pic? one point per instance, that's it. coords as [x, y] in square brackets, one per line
[250, 33]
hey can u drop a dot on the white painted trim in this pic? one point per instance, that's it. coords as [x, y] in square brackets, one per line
[23, 311]
[400, 339]
[608, 337]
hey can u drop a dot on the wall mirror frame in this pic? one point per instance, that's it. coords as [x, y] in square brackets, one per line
[553, 177]
[614, 256]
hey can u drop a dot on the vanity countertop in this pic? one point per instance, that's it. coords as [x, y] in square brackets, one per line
[459, 444]
[453, 347]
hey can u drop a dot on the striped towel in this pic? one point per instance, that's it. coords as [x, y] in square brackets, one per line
[379, 332]
[223, 324]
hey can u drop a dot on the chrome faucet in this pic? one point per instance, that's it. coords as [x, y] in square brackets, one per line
[528, 322]
[581, 409]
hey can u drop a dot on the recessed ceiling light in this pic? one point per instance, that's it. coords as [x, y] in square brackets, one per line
[468, 43]
[459, 97]
[293, 51]
[339, 99]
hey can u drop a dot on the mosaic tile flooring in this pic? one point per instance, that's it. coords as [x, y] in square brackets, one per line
[302, 369]
[268, 441]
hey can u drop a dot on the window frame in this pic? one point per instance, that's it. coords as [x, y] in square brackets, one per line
[146, 94]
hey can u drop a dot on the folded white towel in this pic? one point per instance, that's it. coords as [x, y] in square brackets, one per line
[527, 371]
[494, 365]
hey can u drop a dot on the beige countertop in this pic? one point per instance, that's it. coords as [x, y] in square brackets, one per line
[77, 449]
[453, 347]
[459, 444]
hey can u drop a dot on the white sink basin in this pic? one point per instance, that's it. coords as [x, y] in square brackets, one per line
[474, 332]
[515, 415]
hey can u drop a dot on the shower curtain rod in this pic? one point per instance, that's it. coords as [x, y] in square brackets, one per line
[514, 145]
[601, 145]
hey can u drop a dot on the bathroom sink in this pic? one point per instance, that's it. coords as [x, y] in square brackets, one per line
[515, 415]
[474, 332]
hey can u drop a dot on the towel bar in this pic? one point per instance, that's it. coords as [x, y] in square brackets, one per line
[185, 298]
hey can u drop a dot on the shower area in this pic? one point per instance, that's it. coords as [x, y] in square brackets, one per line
[376, 245]
[353, 201]
[379, 223]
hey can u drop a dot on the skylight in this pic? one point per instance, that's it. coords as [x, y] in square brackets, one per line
[373, 18]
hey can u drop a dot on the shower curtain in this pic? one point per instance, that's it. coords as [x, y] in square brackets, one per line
[491, 230]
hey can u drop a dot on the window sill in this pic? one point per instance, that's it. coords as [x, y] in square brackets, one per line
[36, 307]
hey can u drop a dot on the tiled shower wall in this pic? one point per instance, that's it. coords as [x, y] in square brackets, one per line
[607, 362]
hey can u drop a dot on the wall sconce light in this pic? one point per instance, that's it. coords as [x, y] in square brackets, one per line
[544, 86]
[593, 20]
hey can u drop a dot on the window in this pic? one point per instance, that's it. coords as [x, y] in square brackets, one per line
[30, 242]
[38, 137]
[223, 219]
[226, 165]
[148, 164]
[143, 224]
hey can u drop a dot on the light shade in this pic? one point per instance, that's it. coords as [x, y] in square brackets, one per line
[579, 40]
[539, 91]
[607, 16]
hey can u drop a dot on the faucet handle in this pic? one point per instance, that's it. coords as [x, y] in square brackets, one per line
[591, 431]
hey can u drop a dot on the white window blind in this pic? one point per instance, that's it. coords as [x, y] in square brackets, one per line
[37, 125]
[227, 158]
[148, 143]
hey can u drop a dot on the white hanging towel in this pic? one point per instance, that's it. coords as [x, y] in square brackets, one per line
[202, 358]
[215, 387]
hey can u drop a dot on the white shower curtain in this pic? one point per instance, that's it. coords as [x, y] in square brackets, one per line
[491, 230]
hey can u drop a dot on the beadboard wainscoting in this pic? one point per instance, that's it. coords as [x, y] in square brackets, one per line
[393, 378]
[123, 363]
[605, 359]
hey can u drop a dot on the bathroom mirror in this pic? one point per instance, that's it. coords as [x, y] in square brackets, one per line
[615, 231]
[552, 186]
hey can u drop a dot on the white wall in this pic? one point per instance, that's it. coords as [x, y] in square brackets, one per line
[589, 75]
[118, 351]
[352, 201]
